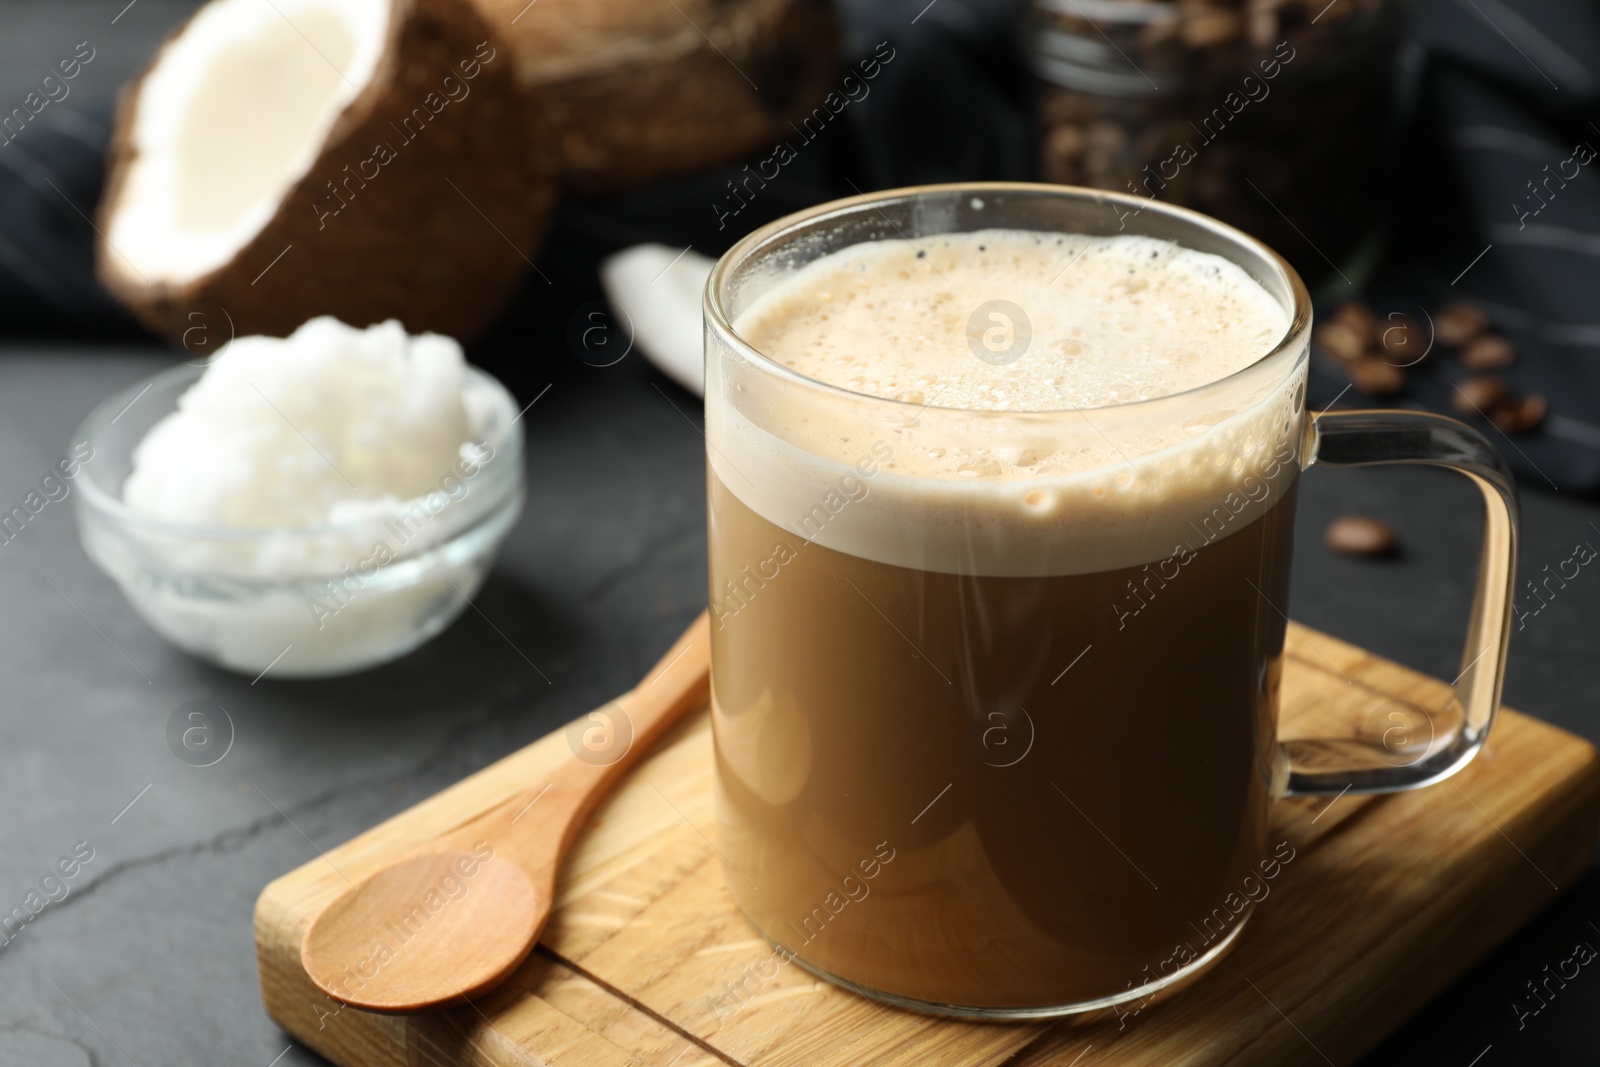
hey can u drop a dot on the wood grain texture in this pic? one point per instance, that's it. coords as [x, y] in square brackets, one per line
[645, 960]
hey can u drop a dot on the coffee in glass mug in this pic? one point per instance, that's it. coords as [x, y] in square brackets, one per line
[1001, 487]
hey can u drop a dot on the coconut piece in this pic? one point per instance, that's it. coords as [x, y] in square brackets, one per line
[638, 90]
[658, 291]
[306, 157]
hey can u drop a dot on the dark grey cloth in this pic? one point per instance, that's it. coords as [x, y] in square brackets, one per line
[51, 173]
[1494, 207]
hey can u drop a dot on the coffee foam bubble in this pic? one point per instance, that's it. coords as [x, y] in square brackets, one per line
[1029, 479]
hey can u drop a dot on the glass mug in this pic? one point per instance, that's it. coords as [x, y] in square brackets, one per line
[1001, 745]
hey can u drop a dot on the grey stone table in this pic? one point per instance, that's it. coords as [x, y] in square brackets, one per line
[149, 961]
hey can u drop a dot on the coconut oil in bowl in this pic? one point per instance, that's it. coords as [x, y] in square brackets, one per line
[313, 519]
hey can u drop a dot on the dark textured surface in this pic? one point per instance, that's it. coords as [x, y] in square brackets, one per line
[153, 945]
[150, 958]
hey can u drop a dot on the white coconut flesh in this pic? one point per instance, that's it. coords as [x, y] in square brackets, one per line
[235, 111]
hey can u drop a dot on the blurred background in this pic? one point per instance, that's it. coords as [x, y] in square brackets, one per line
[1413, 155]
[1427, 167]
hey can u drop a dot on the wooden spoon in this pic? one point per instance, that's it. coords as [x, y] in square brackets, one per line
[455, 917]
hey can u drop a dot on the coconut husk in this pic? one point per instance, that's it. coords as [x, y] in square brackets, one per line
[633, 91]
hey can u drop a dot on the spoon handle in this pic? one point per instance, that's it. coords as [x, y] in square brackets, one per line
[521, 827]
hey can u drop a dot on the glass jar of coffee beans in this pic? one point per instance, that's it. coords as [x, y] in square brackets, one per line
[1272, 115]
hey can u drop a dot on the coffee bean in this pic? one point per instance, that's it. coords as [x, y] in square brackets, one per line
[1457, 324]
[1340, 341]
[1063, 146]
[1360, 319]
[1534, 408]
[1106, 136]
[1489, 352]
[1374, 377]
[1106, 156]
[1478, 396]
[1063, 105]
[1158, 32]
[1262, 27]
[1361, 535]
[1520, 414]
[1402, 341]
[1207, 27]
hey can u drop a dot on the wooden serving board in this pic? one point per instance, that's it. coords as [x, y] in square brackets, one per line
[1386, 902]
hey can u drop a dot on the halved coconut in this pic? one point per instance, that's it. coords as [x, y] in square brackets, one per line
[638, 90]
[366, 159]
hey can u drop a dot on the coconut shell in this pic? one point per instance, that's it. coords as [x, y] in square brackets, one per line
[633, 91]
[406, 244]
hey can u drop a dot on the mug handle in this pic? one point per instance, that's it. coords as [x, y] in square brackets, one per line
[1319, 767]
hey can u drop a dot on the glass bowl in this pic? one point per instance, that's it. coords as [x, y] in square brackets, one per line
[304, 601]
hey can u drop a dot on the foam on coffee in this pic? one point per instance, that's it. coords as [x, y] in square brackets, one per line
[1068, 486]
[1113, 320]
